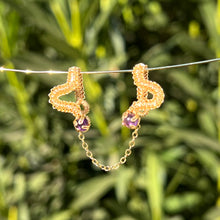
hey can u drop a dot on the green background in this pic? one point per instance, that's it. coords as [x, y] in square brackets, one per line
[174, 171]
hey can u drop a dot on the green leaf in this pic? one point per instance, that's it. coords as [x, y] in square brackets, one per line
[209, 160]
[60, 15]
[179, 202]
[23, 212]
[92, 190]
[76, 38]
[37, 181]
[172, 154]
[207, 123]
[124, 177]
[154, 186]
[20, 186]
[185, 81]
[212, 213]
[62, 215]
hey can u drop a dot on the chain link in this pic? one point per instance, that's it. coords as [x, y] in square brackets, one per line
[122, 160]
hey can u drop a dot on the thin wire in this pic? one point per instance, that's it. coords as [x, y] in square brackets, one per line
[2, 69]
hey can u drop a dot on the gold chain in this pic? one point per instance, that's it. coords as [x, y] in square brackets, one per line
[122, 160]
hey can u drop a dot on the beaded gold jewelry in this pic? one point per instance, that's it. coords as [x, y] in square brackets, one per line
[130, 119]
[74, 83]
[141, 107]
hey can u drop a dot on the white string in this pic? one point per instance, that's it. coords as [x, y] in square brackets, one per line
[3, 69]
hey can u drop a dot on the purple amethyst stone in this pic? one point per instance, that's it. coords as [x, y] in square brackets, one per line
[129, 122]
[82, 125]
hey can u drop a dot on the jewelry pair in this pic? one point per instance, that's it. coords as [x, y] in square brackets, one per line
[131, 118]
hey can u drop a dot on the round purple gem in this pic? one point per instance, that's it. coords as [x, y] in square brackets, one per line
[128, 122]
[82, 125]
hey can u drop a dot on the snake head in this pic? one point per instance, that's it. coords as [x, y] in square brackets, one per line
[82, 124]
[130, 120]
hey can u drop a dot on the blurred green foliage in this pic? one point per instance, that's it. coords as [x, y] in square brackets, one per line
[174, 171]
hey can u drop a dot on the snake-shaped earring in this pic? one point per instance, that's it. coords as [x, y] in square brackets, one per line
[131, 118]
[74, 83]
